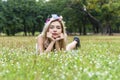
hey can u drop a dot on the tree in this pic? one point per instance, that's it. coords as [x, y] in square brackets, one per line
[110, 10]
[20, 15]
[106, 11]
[80, 16]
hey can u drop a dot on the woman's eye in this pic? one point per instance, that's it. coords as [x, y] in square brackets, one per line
[58, 27]
[51, 27]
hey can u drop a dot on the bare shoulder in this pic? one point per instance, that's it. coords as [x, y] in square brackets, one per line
[40, 38]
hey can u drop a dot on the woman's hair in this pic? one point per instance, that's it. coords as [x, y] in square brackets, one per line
[49, 21]
[46, 27]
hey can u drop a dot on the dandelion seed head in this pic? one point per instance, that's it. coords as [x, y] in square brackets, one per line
[90, 74]
[7, 71]
[35, 72]
[63, 76]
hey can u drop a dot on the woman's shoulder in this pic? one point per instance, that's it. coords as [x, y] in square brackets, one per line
[40, 36]
[40, 39]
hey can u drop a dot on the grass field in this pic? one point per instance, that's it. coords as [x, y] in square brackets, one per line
[97, 59]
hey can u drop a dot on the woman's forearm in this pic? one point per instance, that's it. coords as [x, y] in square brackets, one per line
[57, 46]
[49, 48]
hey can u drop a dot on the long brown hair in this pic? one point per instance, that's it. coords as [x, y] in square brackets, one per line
[62, 42]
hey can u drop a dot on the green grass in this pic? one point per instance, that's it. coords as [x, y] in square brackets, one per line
[97, 59]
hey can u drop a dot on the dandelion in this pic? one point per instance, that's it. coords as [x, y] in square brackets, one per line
[90, 74]
[98, 65]
[43, 72]
[47, 75]
[7, 71]
[97, 73]
[81, 68]
[75, 66]
[49, 68]
[26, 64]
[35, 72]
[75, 78]
[119, 56]
[66, 64]
[91, 62]
[18, 65]
[3, 65]
[105, 73]
[63, 76]
[85, 70]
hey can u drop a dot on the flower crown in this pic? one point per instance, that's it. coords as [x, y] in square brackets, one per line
[54, 17]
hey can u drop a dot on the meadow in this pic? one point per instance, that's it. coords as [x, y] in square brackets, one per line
[97, 59]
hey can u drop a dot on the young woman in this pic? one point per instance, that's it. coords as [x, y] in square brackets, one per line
[54, 37]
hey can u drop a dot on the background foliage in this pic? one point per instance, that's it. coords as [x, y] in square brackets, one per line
[81, 16]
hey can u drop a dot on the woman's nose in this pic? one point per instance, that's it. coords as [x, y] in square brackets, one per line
[54, 29]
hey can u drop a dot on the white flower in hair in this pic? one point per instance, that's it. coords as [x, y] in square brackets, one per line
[55, 16]
[61, 17]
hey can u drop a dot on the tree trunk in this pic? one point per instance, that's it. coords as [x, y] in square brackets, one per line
[25, 28]
[110, 29]
[84, 30]
[33, 31]
[84, 23]
[80, 31]
[25, 31]
[95, 22]
[118, 29]
[7, 32]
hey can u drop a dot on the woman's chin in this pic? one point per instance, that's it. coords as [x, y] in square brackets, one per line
[55, 37]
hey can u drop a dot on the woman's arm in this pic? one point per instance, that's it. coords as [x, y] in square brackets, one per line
[40, 41]
[57, 45]
[50, 46]
[41, 45]
[52, 42]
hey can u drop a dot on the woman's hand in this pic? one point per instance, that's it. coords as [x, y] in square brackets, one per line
[49, 35]
[61, 37]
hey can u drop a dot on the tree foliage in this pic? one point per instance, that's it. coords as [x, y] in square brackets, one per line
[81, 16]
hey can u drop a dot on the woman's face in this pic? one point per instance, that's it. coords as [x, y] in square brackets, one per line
[55, 29]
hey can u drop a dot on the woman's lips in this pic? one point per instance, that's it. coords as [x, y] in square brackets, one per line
[54, 33]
